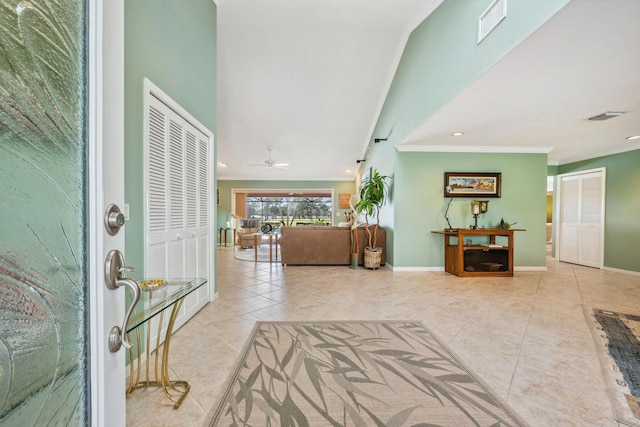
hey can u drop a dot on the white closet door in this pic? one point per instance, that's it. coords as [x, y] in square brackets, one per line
[591, 223]
[157, 224]
[175, 264]
[582, 218]
[177, 218]
[205, 199]
[191, 192]
[570, 220]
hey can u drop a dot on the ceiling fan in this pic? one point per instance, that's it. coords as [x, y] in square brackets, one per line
[270, 163]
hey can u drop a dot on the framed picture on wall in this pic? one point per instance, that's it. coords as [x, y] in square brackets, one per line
[472, 184]
[343, 200]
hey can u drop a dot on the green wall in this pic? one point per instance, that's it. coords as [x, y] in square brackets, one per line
[173, 43]
[622, 204]
[224, 209]
[442, 58]
[420, 204]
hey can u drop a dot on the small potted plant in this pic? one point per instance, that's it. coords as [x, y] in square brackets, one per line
[373, 195]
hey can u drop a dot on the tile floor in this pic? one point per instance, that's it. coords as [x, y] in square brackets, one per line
[525, 336]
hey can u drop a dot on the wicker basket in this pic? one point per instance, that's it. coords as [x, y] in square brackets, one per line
[372, 259]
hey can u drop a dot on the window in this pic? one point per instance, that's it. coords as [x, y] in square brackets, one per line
[287, 207]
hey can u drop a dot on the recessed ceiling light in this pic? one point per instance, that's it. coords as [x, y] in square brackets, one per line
[631, 138]
[223, 164]
[348, 171]
[457, 134]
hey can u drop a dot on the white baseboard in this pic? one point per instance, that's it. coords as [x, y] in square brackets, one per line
[618, 270]
[440, 269]
[530, 268]
[430, 269]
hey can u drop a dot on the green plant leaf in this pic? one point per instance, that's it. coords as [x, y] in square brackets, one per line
[311, 331]
[396, 333]
[341, 357]
[350, 387]
[321, 411]
[395, 371]
[287, 357]
[314, 376]
[263, 406]
[401, 417]
[291, 412]
[274, 374]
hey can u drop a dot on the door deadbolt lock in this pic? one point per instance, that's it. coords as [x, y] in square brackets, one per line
[113, 219]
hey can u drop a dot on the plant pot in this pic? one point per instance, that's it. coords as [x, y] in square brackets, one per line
[354, 260]
[372, 257]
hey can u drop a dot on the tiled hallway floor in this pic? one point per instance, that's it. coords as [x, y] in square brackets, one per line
[525, 336]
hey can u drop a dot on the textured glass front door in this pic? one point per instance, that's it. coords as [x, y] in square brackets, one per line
[43, 211]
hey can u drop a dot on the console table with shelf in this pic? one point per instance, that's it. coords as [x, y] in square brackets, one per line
[478, 252]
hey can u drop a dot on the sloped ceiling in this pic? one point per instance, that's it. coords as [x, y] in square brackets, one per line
[308, 78]
[583, 62]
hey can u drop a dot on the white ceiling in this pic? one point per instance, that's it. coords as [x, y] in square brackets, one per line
[309, 77]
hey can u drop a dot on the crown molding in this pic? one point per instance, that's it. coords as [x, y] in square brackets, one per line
[474, 149]
[568, 160]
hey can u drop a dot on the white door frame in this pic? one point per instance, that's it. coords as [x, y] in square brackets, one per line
[106, 185]
[559, 207]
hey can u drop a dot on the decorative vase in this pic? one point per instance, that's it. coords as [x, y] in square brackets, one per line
[354, 260]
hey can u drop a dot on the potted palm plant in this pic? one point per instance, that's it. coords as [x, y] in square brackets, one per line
[373, 195]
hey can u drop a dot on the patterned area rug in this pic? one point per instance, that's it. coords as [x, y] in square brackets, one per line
[353, 374]
[249, 254]
[617, 338]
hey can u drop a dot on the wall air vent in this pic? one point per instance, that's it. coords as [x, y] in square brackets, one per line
[491, 17]
[606, 116]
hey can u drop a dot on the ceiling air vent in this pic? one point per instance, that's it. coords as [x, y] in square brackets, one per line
[606, 116]
[491, 17]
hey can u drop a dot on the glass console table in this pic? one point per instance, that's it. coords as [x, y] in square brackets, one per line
[154, 300]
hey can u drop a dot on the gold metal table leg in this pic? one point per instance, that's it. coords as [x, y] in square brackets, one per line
[175, 390]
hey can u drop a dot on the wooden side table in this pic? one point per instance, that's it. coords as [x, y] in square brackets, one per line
[257, 239]
[220, 232]
[468, 258]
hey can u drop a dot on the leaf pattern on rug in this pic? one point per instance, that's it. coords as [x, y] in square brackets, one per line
[353, 374]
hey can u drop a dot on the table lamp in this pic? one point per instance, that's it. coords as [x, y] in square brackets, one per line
[478, 207]
[448, 191]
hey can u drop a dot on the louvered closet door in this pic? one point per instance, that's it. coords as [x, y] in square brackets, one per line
[205, 197]
[157, 223]
[591, 215]
[157, 218]
[178, 229]
[582, 218]
[176, 260]
[570, 220]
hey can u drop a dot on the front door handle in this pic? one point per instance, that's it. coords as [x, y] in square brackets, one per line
[114, 278]
[118, 336]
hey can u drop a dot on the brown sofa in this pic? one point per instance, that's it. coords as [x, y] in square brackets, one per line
[323, 245]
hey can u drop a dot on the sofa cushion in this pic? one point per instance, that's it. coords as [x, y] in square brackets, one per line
[250, 223]
[248, 230]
